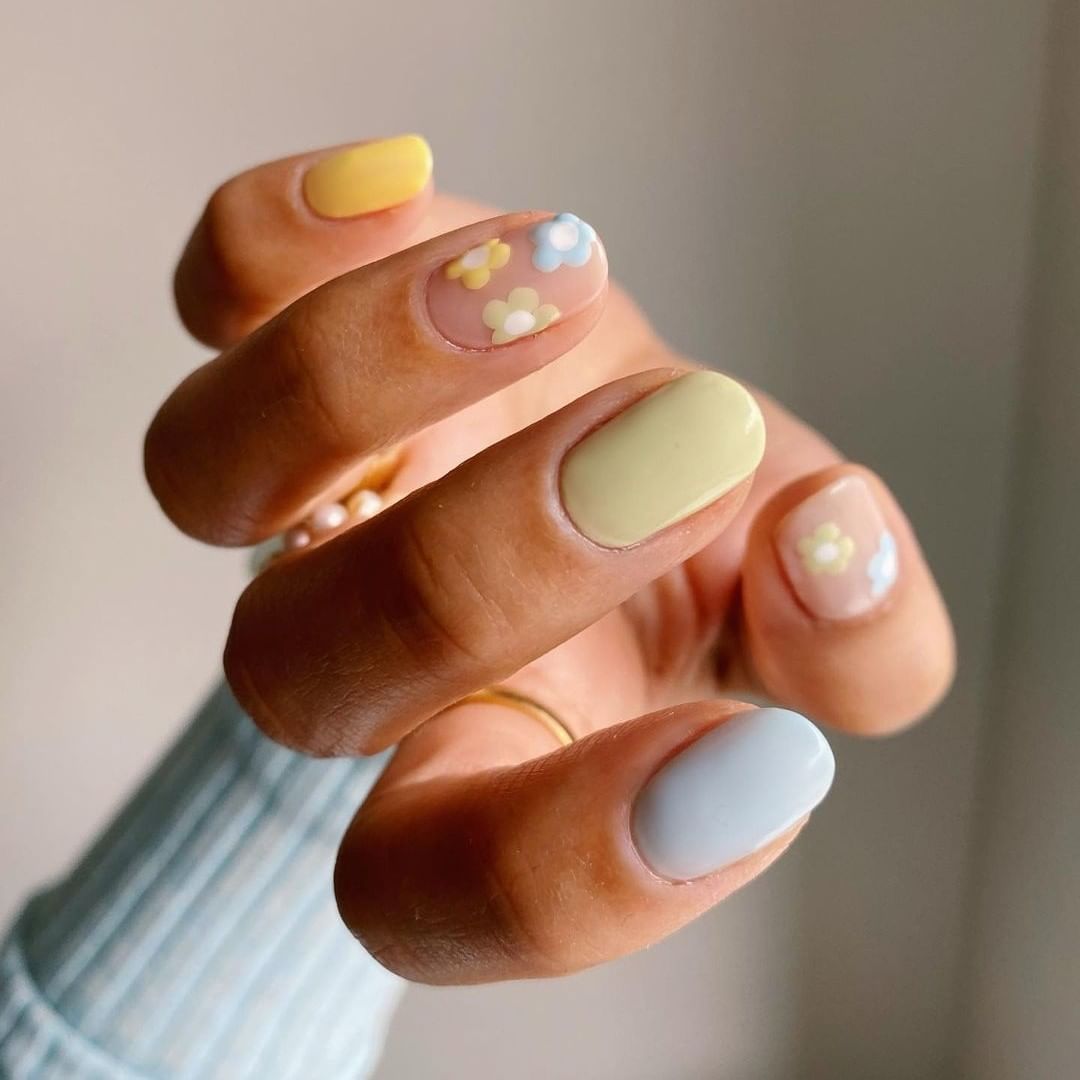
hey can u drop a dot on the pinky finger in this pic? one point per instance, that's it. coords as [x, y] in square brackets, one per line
[470, 863]
[843, 619]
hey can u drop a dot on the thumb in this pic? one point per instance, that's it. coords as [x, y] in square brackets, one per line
[459, 872]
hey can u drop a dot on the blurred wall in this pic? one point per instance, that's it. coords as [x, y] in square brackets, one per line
[833, 199]
[1023, 998]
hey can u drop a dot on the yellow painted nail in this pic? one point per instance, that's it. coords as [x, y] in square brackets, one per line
[369, 177]
[662, 459]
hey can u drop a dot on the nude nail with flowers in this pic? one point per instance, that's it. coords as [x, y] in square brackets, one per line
[837, 553]
[511, 285]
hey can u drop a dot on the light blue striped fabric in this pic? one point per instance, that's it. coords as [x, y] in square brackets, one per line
[199, 937]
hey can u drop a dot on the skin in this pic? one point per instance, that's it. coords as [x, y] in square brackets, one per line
[484, 852]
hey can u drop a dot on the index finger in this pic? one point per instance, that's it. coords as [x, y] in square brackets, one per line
[274, 232]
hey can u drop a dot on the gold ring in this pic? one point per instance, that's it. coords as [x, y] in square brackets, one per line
[499, 695]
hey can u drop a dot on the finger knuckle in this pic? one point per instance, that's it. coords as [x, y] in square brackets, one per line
[230, 256]
[246, 674]
[246, 689]
[453, 614]
[424, 924]
[525, 912]
[165, 467]
[283, 694]
[216, 281]
[310, 375]
[162, 476]
[466, 895]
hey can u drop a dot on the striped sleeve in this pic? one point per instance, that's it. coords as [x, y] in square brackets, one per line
[199, 936]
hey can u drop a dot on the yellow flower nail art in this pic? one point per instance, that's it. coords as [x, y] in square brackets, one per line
[826, 550]
[520, 314]
[475, 266]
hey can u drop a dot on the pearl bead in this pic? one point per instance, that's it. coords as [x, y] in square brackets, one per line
[328, 516]
[295, 539]
[364, 504]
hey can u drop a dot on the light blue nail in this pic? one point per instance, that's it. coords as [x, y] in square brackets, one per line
[731, 792]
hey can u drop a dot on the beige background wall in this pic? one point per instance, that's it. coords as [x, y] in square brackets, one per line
[1023, 976]
[835, 199]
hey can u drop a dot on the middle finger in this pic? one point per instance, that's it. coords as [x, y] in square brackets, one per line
[459, 585]
[251, 440]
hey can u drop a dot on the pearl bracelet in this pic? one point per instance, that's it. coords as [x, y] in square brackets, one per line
[362, 503]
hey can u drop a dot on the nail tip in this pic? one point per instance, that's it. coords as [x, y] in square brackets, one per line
[800, 726]
[740, 407]
[730, 793]
[425, 157]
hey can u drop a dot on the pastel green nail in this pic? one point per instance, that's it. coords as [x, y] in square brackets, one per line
[662, 459]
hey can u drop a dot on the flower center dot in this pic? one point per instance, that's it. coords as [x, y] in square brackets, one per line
[827, 552]
[563, 235]
[474, 258]
[519, 322]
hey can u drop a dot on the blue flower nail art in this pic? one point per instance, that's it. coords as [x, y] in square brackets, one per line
[565, 240]
[883, 566]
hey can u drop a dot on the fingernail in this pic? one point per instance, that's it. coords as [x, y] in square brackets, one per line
[731, 792]
[837, 553]
[663, 458]
[512, 286]
[370, 177]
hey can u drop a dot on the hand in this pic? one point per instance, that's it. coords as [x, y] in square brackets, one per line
[571, 518]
